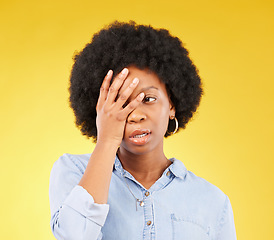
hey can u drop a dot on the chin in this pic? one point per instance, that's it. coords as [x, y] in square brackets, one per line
[139, 149]
[136, 150]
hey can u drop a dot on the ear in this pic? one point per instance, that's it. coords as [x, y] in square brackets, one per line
[172, 111]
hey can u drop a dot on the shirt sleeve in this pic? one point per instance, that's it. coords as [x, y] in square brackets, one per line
[226, 224]
[74, 215]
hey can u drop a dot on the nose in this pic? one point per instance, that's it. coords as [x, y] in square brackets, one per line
[136, 116]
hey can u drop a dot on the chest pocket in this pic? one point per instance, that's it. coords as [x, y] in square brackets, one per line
[188, 229]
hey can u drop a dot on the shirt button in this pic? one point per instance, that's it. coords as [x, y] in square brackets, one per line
[168, 173]
[147, 194]
[148, 223]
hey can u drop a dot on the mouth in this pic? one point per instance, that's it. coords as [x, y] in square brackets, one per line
[140, 136]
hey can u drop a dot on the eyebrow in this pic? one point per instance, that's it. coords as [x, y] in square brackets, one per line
[147, 88]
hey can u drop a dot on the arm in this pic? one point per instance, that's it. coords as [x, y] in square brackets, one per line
[82, 210]
[111, 119]
[226, 223]
[74, 215]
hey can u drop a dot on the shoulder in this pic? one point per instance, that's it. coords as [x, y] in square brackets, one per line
[204, 186]
[66, 173]
[202, 203]
[76, 162]
[197, 188]
[68, 169]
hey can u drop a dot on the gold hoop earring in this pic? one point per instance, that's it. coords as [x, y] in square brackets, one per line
[176, 125]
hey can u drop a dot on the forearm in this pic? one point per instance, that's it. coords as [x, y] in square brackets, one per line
[97, 176]
[79, 217]
[110, 122]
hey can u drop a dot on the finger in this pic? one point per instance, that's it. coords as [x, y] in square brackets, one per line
[104, 89]
[116, 85]
[132, 105]
[126, 83]
[123, 96]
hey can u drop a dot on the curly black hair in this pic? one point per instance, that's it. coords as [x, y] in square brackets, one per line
[123, 44]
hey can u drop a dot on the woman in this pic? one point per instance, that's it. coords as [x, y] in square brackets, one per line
[130, 87]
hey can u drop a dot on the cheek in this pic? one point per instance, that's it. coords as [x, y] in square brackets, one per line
[162, 118]
[165, 110]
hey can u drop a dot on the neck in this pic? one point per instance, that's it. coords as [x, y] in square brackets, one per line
[145, 168]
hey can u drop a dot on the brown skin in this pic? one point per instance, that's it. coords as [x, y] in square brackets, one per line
[147, 162]
[122, 108]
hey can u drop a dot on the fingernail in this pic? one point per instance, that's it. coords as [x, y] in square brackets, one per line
[109, 72]
[124, 71]
[135, 80]
[141, 95]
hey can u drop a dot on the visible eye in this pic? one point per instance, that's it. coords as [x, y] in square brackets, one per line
[149, 99]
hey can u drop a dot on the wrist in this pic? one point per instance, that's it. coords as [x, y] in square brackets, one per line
[107, 145]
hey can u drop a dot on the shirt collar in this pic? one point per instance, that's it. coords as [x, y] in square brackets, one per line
[177, 168]
[118, 166]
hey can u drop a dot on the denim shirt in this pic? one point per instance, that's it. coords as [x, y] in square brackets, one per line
[179, 205]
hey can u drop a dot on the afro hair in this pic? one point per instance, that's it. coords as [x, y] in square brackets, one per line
[123, 44]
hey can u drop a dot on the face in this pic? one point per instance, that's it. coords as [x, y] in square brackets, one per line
[147, 124]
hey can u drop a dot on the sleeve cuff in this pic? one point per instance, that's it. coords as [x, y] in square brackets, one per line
[81, 201]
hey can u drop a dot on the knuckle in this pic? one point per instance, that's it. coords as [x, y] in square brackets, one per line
[106, 111]
[112, 89]
[131, 106]
[120, 76]
[123, 96]
[120, 117]
[138, 100]
[104, 88]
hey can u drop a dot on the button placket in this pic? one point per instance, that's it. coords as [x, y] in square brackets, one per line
[148, 214]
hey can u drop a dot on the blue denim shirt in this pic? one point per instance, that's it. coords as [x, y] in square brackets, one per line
[179, 205]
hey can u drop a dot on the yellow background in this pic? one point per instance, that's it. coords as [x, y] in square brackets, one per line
[229, 142]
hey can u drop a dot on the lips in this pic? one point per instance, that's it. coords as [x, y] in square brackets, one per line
[139, 136]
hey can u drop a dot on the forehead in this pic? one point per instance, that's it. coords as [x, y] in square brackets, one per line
[147, 78]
